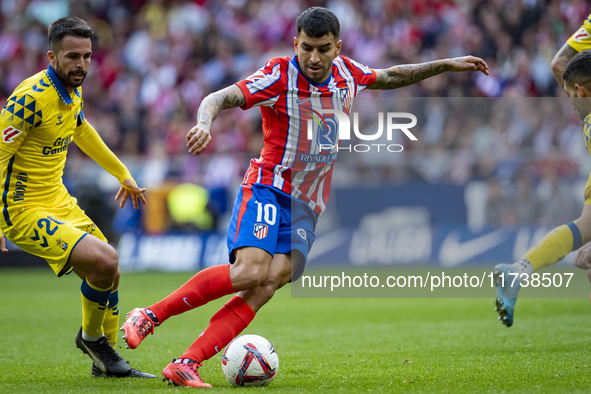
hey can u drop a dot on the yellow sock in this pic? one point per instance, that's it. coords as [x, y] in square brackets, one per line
[111, 324]
[94, 307]
[555, 245]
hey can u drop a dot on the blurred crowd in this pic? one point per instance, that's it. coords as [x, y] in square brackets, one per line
[155, 60]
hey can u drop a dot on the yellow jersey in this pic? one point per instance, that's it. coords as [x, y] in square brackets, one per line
[38, 122]
[581, 39]
[587, 132]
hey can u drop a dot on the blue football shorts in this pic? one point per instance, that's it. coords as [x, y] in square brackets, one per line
[265, 217]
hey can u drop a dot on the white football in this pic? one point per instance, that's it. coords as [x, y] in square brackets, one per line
[250, 360]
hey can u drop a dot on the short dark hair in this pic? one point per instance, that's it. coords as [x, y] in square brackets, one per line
[68, 26]
[578, 70]
[317, 22]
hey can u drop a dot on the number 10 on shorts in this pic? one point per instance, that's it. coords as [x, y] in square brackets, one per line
[270, 213]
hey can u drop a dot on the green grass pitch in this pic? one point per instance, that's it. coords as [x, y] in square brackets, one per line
[348, 345]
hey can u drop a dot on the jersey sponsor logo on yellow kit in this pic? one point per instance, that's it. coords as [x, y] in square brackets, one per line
[21, 186]
[60, 145]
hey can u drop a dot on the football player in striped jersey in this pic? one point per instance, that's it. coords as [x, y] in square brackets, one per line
[285, 189]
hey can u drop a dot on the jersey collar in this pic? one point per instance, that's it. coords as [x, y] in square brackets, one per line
[59, 86]
[294, 61]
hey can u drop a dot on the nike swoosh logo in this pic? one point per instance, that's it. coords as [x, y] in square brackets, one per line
[216, 349]
[299, 102]
[453, 252]
[185, 301]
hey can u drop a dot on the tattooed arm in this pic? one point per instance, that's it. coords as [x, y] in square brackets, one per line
[199, 137]
[399, 76]
[560, 61]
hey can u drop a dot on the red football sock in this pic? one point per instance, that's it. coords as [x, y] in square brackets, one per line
[224, 326]
[207, 285]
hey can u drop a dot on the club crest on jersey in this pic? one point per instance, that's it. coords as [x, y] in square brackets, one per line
[9, 134]
[345, 97]
[260, 230]
[62, 244]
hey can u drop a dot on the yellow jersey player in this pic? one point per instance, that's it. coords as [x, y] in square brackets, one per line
[38, 122]
[575, 79]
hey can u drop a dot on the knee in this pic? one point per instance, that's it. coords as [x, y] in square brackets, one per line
[116, 280]
[266, 292]
[583, 223]
[107, 262]
[271, 284]
[585, 230]
[247, 274]
[260, 295]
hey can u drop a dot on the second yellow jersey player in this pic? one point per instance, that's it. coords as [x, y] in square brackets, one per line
[574, 235]
[581, 39]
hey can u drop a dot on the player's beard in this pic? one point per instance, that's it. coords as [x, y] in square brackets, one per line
[319, 77]
[580, 108]
[68, 79]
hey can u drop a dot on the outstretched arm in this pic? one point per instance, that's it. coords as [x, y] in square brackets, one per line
[408, 74]
[92, 144]
[560, 61]
[199, 137]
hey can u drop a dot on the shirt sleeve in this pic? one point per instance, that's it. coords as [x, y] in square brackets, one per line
[20, 115]
[581, 39]
[264, 86]
[363, 75]
[87, 139]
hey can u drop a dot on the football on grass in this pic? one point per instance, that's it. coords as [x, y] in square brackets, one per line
[250, 360]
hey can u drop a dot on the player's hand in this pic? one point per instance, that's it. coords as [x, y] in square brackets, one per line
[3, 247]
[197, 140]
[468, 63]
[129, 188]
[583, 259]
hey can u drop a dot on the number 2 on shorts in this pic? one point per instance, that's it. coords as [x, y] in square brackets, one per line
[45, 222]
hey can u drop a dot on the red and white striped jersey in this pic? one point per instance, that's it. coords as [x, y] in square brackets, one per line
[300, 140]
